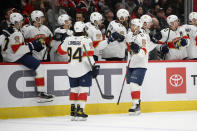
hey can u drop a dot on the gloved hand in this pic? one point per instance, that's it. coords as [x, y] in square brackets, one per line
[135, 47]
[164, 49]
[155, 38]
[121, 38]
[114, 36]
[183, 42]
[95, 71]
[36, 45]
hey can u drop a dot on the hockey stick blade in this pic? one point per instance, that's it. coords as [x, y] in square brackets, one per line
[107, 96]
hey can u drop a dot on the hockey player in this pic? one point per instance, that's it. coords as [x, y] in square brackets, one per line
[16, 50]
[79, 69]
[38, 30]
[59, 35]
[94, 33]
[116, 50]
[137, 68]
[191, 30]
[174, 38]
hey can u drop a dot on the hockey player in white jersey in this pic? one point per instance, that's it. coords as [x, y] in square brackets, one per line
[59, 35]
[16, 50]
[79, 69]
[116, 50]
[38, 30]
[147, 24]
[174, 38]
[191, 31]
[138, 59]
[94, 33]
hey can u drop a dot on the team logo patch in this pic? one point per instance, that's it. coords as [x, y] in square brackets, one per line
[176, 80]
[17, 39]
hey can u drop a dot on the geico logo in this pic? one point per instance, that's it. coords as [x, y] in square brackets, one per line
[50, 78]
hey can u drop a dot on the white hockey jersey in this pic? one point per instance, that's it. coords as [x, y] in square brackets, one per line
[54, 56]
[31, 33]
[78, 61]
[176, 51]
[15, 48]
[96, 36]
[115, 49]
[191, 31]
[139, 60]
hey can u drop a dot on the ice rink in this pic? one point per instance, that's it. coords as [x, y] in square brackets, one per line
[163, 121]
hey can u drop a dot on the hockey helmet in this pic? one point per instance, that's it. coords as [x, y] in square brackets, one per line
[192, 15]
[96, 16]
[79, 26]
[122, 13]
[171, 18]
[36, 14]
[145, 18]
[15, 17]
[136, 22]
[63, 18]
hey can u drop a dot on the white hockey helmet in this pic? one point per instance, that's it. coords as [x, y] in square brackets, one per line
[96, 16]
[145, 18]
[36, 14]
[15, 17]
[79, 26]
[63, 18]
[122, 13]
[136, 22]
[192, 15]
[171, 18]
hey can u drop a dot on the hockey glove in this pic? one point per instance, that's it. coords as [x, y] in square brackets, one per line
[121, 38]
[114, 36]
[164, 49]
[183, 42]
[134, 47]
[36, 45]
[95, 71]
[155, 38]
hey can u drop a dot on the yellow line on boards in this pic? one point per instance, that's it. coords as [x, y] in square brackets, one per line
[94, 109]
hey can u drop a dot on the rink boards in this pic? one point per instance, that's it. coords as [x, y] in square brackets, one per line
[168, 86]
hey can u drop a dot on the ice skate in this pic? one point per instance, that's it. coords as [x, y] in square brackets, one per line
[73, 112]
[135, 109]
[44, 97]
[81, 116]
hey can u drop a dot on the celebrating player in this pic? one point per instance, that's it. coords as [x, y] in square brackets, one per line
[173, 40]
[59, 35]
[16, 50]
[137, 68]
[116, 50]
[38, 30]
[79, 69]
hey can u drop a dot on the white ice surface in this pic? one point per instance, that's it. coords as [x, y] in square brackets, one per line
[165, 121]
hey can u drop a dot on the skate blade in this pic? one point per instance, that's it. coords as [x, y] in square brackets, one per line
[44, 100]
[73, 118]
[134, 113]
[82, 119]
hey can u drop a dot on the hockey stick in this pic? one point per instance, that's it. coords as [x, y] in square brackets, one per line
[98, 85]
[123, 82]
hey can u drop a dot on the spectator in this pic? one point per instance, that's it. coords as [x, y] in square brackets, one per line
[109, 16]
[79, 16]
[53, 15]
[160, 14]
[137, 12]
[169, 11]
[130, 5]
[5, 23]
[154, 54]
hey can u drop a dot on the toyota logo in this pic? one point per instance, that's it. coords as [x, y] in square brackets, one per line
[176, 80]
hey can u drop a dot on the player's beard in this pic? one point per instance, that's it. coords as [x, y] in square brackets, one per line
[125, 24]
